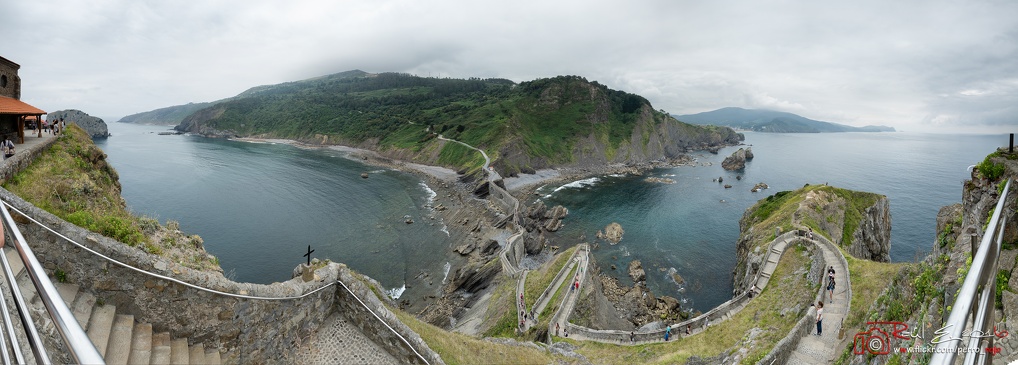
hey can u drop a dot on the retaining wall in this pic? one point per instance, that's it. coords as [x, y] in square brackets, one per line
[246, 330]
[22, 158]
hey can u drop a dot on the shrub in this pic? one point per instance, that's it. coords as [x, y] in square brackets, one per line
[989, 169]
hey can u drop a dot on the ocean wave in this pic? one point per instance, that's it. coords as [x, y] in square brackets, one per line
[445, 270]
[395, 293]
[446, 230]
[575, 184]
[431, 194]
[625, 251]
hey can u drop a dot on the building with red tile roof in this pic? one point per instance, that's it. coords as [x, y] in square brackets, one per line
[13, 111]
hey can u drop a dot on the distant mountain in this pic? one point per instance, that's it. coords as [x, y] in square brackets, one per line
[760, 120]
[559, 121]
[171, 115]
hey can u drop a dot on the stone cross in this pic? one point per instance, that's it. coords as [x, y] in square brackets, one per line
[308, 255]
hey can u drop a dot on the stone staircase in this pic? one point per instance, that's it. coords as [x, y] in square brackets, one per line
[119, 338]
[824, 349]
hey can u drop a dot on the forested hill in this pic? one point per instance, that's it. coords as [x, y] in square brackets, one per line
[560, 121]
[760, 120]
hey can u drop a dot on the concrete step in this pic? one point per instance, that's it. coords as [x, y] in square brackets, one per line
[82, 308]
[118, 350]
[141, 344]
[212, 358]
[179, 353]
[161, 349]
[67, 292]
[197, 354]
[99, 325]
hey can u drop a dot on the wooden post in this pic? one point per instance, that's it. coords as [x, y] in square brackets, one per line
[21, 129]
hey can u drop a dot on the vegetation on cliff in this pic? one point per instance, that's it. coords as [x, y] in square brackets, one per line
[73, 181]
[541, 123]
[749, 334]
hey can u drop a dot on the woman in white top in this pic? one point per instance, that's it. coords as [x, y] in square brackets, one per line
[820, 317]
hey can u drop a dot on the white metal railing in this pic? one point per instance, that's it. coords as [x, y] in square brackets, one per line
[80, 348]
[68, 321]
[979, 286]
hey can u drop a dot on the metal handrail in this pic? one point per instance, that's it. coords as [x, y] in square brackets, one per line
[11, 280]
[982, 275]
[167, 278]
[81, 348]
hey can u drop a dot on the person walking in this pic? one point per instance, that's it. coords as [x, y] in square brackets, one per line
[632, 337]
[830, 284]
[820, 318]
[668, 332]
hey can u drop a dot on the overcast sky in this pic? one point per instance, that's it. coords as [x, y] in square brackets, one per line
[926, 65]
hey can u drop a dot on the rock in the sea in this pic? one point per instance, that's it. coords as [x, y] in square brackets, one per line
[728, 186]
[758, 187]
[659, 180]
[364, 175]
[95, 127]
[613, 232]
[636, 271]
[678, 278]
[737, 161]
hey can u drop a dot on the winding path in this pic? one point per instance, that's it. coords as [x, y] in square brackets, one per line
[809, 348]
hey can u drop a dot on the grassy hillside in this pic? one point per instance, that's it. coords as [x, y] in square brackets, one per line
[73, 181]
[524, 126]
[171, 115]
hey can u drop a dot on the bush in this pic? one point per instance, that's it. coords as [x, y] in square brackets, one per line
[989, 169]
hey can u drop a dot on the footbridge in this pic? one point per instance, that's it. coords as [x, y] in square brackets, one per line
[72, 296]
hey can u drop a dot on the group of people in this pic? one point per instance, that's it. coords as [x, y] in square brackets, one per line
[54, 127]
[820, 304]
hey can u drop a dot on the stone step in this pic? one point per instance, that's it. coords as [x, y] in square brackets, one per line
[161, 348]
[212, 358]
[118, 350]
[82, 308]
[99, 326]
[179, 353]
[197, 354]
[15, 260]
[141, 344]
[67, 292]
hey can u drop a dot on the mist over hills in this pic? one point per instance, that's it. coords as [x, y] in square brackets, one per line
[761, 120]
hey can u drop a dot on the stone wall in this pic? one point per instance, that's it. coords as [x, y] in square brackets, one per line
[9, 73]
[401, 346]
[246, 330]
[502, 199]
[22, 158]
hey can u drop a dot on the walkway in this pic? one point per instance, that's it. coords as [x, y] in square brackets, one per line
[561, 316]
[492, 175]
[338, 341]
[823, 349]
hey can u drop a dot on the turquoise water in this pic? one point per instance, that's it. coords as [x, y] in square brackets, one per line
[258, 206]
[692, 226]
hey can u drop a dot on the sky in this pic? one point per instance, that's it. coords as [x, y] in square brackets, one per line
[917, 65]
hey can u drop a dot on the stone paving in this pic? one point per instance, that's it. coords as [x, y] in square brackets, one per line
[338, 341]
[815, 349]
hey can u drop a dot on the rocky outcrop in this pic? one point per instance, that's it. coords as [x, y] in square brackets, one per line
[95, 127]
[636, 271]
[612, 233]
[538, 219]
[829, 211]
[476, 277]
[737, 161]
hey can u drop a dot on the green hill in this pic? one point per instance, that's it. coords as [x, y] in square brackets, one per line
[560, 121]
[759, 120]
[171, 115]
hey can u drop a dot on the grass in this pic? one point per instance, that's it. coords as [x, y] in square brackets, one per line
[538, 280]
[777, 211]
[73, 181]
[502, 310]
[455, 348]
[763, 312]
[869, 279]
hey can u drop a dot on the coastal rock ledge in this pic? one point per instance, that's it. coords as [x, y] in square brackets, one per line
[737, 161]
[95, 127]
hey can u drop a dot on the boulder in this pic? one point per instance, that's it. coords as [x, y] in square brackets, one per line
[737, 161]
[490, 248]
[613, 233]
[668, 303]
[465, 249]
[474, 278]
[636, 271]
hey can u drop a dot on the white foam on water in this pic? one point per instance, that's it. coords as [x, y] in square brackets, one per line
[431, 193]
[446, 230]
[395, 293]
[575, 184]
[625, 251]
[445, 270]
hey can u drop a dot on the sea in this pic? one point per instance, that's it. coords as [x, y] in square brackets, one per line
[691, 227]
[259, 206]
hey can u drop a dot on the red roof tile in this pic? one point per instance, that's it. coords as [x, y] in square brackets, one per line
[14, 106]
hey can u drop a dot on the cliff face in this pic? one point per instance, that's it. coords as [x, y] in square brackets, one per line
[857, 221]
[563, 121]
[95, 127]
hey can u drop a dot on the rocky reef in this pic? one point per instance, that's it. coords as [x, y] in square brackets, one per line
[95, 127]
[737, 161]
